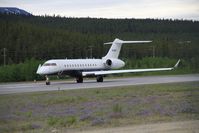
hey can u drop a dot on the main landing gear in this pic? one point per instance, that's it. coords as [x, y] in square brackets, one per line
[79, 79]
[99, 78]
[47, 80]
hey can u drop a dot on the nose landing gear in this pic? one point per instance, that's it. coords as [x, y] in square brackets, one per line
[47, 80]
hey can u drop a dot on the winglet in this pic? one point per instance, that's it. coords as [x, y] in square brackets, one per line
[176, 65]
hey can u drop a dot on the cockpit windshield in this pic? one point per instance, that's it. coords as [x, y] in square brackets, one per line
[49, 64]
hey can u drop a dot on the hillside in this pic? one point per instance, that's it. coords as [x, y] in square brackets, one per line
[14, 10]
[47, 37]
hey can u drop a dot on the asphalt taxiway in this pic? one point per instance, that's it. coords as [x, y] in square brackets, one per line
[10, 88]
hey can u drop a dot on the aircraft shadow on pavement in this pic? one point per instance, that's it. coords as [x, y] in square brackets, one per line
[90, 82]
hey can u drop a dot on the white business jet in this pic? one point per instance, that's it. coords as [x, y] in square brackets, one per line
[98, 68]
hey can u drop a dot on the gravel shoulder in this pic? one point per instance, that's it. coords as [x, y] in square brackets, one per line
[169, 127]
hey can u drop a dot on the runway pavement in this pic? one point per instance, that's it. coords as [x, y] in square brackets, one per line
[10, 88]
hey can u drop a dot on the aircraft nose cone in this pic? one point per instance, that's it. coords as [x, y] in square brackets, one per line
[39, 71]
[42, 70]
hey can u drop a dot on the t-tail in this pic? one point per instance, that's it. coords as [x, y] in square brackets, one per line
[114, 51]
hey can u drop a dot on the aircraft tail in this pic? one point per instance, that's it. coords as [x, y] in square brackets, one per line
[114, 51]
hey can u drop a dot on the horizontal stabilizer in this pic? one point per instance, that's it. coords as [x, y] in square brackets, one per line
[133, 42]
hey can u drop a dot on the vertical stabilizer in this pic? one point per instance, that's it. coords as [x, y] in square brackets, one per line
[114, 51]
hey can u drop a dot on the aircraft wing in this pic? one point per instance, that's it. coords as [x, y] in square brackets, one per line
[96, 73]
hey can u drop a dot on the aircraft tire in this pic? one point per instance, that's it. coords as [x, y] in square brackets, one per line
[47, 83]
[99, 78]
[79, 79]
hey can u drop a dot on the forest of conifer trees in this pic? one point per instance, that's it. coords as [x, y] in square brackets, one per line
[45, 37]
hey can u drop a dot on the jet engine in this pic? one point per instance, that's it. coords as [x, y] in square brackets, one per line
[113, 63]
[108, 62]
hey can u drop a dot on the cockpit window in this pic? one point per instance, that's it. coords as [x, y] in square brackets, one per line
[50, 64]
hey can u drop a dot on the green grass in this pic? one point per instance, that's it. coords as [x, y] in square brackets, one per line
[106, 107]
[62, 122]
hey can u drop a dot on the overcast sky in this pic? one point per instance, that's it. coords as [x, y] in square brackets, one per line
[175, 9]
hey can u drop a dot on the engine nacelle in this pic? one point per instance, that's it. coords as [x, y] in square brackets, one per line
[113, 63]
[108, 62]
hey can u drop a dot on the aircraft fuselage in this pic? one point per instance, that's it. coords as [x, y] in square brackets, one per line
[75, 66]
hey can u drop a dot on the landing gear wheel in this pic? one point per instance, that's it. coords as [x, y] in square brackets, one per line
[99, 78]
[79, 79]
[48, 83]
[47, 80]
